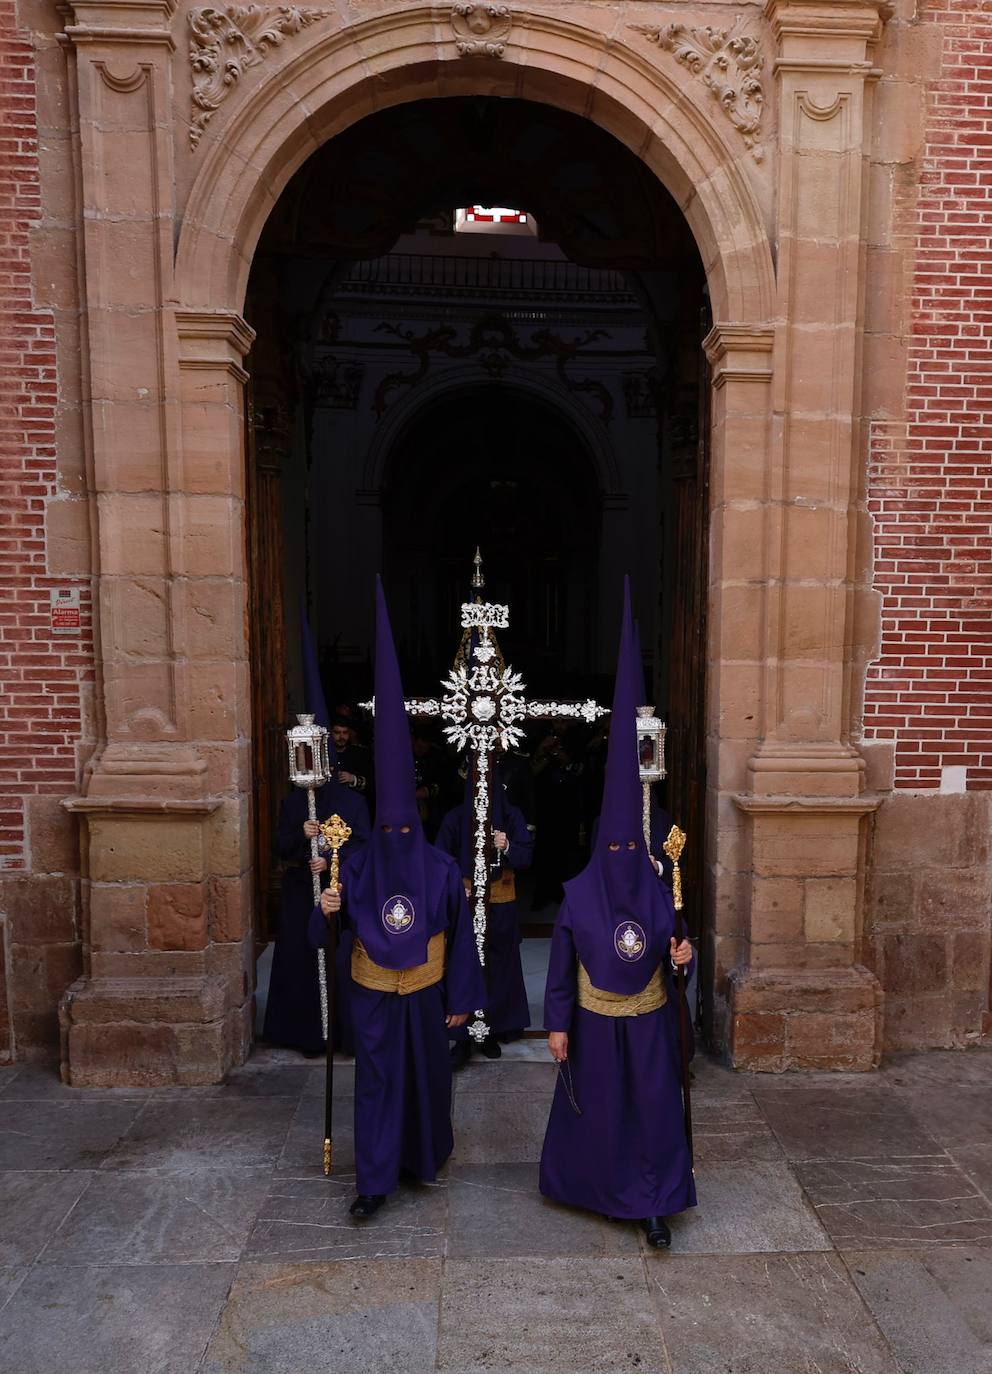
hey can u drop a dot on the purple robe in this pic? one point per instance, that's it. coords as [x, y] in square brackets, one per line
[506, 1006]
[626, 1156]
[292, 1011]
[402, 1070]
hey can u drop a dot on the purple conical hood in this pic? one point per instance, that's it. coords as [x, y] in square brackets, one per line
[620, 912]
[395, 779]
[398, 879]
[622, 795]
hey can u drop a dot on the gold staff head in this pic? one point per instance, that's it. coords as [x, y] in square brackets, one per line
[673, 847]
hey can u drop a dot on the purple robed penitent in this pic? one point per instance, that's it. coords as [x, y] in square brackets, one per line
[507, 1012]
[397, 894]
[292, 1009]
[626, 1154]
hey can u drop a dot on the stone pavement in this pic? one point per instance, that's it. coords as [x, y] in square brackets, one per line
[844, 1226]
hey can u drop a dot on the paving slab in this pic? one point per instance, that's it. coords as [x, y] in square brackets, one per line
[552, 1316]
[307, 1218]
[11, 1279]
[197, 1133]
[731, 1129]
[932, 1307]
[496, 1211]
[766, 1314]
[8, 1073]
[62, 1135]
[499, 1128]
[112, 1320]
[304, 1145]
[364, 1318]
[953, 1116]
[503, 1076]
[344, 1079]
[941, 1068]
[745, 1208]
[151, 1217]
[32, 1208]
[976, 1162]
[41, 1083]
[249, 1080]
[897, 1203]
[828, 1123]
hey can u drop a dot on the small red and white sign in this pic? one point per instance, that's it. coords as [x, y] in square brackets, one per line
[66, 617]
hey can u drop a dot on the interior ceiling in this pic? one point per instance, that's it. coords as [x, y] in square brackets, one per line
[589, 194]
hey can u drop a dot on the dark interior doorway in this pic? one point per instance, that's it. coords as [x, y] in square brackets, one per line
[424, 381]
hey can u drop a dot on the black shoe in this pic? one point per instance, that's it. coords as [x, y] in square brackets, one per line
[460, 1053]
[367, 1204]
[657, 1232]
[490, 1047]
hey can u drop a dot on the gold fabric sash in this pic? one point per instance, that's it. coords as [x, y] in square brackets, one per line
[501, 890]
[400, 980]
[622, 1004]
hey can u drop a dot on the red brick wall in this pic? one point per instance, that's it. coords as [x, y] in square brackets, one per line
[40, 674]
[930, 492]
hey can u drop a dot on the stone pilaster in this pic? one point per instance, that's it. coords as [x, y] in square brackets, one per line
[166, 992]
[800, 996]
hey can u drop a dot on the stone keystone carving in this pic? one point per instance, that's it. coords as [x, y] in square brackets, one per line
[225, 42]
[728, 62]
[481, 29]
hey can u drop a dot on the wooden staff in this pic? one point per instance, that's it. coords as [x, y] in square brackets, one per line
[336, 833]
[673, 847]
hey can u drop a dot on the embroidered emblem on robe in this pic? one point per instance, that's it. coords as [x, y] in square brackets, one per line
[398, 915]
[630, 941]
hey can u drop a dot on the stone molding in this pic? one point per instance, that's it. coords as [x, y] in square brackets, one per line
[739, 353]
[481, 30]
[120, 22]
[807, 806]
[227, 41]
[728, 62]
[140, 806]
[211, 339]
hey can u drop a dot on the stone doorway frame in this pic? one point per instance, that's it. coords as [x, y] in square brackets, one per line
[164, 808]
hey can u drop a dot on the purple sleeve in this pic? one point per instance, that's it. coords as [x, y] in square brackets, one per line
[559, 991]
[521, 839]
[291, 843]
[449, 836]
[464, 983]
[317, 928]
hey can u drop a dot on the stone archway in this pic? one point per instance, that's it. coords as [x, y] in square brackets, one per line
[166, 995]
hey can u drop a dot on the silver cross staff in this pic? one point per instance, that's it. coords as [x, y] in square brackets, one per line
[483, 706]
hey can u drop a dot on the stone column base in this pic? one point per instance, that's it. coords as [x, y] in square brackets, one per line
[805, 1019]
[150, 1031]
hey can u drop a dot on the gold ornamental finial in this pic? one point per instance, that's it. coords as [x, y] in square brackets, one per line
[673, 847]
[336, 832]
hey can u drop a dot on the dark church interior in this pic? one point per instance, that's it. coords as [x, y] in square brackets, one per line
[478, 326]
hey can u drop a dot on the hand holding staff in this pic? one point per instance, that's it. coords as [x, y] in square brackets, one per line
[335, 833]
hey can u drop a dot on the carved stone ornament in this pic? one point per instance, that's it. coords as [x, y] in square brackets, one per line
[481, 29]
[225, 42]
[728, 62]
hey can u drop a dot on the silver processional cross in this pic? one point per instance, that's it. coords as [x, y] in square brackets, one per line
[483, 706]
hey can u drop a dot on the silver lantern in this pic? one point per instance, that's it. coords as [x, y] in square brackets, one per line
[650, 745]
[309, 764]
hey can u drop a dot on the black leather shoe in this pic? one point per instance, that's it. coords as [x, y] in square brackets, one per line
[491, 1048]
[367, 1204]
[460, 1053]
[658, 1233]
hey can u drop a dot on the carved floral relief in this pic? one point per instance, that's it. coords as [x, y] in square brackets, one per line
[226, 41]
[728, 62]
